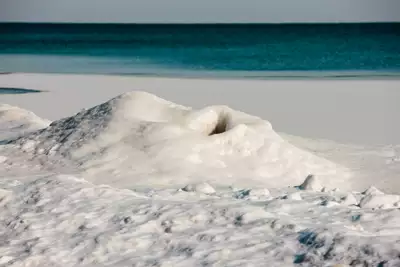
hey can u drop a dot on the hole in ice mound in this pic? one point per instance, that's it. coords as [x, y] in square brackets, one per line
[221, 125]
[212, 120]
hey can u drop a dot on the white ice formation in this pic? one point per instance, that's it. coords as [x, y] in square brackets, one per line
[311, 183]
[158, 142]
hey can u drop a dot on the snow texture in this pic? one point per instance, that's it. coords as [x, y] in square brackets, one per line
[65, 221]
[140, 181]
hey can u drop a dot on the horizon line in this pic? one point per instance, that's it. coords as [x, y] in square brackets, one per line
[202, 23]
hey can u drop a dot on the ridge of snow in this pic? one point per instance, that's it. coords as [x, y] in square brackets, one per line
[311, 183]
[372, 190]
[375, 199]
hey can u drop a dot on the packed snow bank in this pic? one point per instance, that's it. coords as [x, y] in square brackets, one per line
[141, 139]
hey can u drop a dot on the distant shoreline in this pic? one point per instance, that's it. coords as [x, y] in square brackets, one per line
[284, 75]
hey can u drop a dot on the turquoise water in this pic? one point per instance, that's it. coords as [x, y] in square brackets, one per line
[245, 50]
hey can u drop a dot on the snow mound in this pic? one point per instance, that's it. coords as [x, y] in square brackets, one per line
[252, 194]
[15, 122]
[158, 142]
[293, 196]
[374, 200]
[372, 190]
[349, 200]
[311, 183]
[204, 188]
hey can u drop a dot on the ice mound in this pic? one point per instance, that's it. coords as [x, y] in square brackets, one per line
[140, 139]
[311, 183]
[349, 200]
[15, 121]
[204, 188]
[375, 199]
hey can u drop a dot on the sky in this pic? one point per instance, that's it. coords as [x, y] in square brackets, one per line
[199, 11]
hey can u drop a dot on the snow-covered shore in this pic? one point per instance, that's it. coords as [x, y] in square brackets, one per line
[347, 111]
[136, 180]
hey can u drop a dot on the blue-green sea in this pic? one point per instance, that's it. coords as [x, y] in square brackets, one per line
[203, 50]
